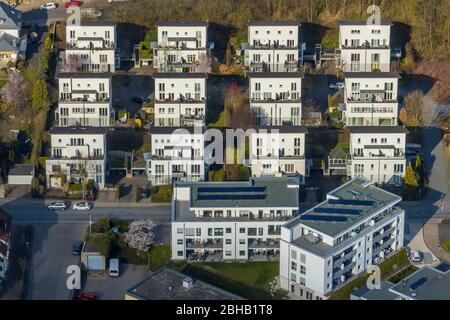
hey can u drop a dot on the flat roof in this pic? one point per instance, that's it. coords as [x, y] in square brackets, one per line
[284, 129]
[350, 204]
[78, 130]
[383, 22]
[88, 75]
[182, 24]
[377, 129]
[280, 23]
[95, 24]
[425, 284]
[371, 75]
[383, 293]
[171, 130]
[276, 75]
[167, 284]
[261, 192]
[172, 75]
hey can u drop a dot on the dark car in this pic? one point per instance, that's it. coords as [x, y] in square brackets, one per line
[140, 99]
[144, 193]
[77, 248]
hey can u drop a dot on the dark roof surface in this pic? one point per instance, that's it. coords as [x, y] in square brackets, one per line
[371, 75]
[377, 129]
[383, 22]
[21, 170]
[78, 130]
[274, 23]
[276, 75]
[174, 75]
[182, 24]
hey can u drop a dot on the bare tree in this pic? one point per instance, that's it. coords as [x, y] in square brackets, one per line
[204, 64]
[71, 63]
[311, 112]
[238, 114]
[412, 105]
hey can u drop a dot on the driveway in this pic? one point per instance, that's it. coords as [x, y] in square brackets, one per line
[414, 241]
[109, 288]
[125, 87]
[52, 254]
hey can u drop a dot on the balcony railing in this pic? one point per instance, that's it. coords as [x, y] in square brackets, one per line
[84, 100]
[87, 45]
[191, 100]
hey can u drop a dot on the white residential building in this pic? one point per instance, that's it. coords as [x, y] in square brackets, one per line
[364, 47]
[95, 43]
[84, 100]
[180, 99]
[279, 150]
[378, 153]
[79, 154]
[13, 43]
[5, 243]
[177, 155]
[273, 46]
[180, 46]
[371, 98]
[275, 97]
[327, 246]
[231, 220]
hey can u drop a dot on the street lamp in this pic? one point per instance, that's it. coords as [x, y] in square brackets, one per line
[90, 222]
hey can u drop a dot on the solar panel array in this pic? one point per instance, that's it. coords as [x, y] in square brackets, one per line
[337, 211]
[231, 196]
[231, 189]
[351, 202]
[323, 218]
[418, 283]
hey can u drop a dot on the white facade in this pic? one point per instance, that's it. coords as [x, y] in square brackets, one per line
[278, 151]
[180, 46]
[5, 243]
[84, 100]
[319, 256]
[363, 47]
[13, 43]
[276, 97]
[95, 44]
[177, 155]
[79, 154]
[273, 46]
[377, 154]
[371, 99]
[231, 229]
[180, 99]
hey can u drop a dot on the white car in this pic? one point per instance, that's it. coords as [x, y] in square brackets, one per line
[416, 256]
[81, 206]
[49, 6]
[57, 205]
[337, 85]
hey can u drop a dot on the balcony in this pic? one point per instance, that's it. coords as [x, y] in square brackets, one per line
[268, 244]
[87, 45]
[365, 45]
[84, 100]
[81, 157]
[266, 46]
[209, 244]
[378, 100]
[180, 101]
[280, 98]
[397, 154]
[347, 256]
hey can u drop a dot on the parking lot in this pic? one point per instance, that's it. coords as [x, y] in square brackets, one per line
[52, 254]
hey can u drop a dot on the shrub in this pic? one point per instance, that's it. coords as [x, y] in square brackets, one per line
[162, 194]
[102, 225]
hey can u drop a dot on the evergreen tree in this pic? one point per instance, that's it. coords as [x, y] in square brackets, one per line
[410, 178]
[40, 101]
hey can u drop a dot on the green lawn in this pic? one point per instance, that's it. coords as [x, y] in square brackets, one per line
[446, 244]
[2, 82]
[257, 274]
[396, 278]
[159, 256]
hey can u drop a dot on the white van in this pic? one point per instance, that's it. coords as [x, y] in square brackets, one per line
[113, 267]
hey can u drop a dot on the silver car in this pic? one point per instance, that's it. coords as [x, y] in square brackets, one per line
[57, 205]
[81, 206]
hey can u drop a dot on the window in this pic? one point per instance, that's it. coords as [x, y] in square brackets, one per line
[293, 265]
[228, 230]
[294, 255]
[302, 269]
[242, 253]
[293, 277]
[227, 241]
[241, 230]
[241, 241]
[228, 253]
[180, 241]
[180, 253]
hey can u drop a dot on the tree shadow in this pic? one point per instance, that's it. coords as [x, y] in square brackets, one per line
[219, 34]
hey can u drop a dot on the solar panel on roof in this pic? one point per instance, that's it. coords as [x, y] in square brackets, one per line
[323, 218]
[337, 210]
[418, 283]
[351, 202]
[231, 196]
[231, 189]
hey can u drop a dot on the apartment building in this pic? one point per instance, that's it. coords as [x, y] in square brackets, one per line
[93, 47]
[324, 248]
[273, 46]
[181, 46]
[5, 243]
[214, 221]
[371, 98]
[275, 97]
[84, 100]
[78, 154]
[177, 155]
[279, 150]
[378, 153]
[13, 43]
[180, 99]
[364, 47]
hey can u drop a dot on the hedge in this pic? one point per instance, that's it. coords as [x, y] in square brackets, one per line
[399, 259]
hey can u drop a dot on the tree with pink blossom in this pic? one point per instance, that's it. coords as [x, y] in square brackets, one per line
[14, 92]
[140, 235]
[204, 64]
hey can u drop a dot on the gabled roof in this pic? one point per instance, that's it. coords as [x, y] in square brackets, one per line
[12, 18]
[9, 43]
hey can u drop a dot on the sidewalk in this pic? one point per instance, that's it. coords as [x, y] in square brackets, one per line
[431, 237]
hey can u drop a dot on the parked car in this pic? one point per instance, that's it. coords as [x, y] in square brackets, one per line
[144, 192]
[81, 206]
[87, 296]
[337, 85]
[57, 205]
[113, 270]
[77, 247]
[140, 99]
[73, 3]
[49, 6]
[416, 256]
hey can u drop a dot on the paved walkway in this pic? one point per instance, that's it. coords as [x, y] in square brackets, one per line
[431, 230]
